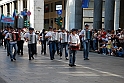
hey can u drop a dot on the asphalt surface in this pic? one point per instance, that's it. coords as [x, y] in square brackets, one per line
[99, 69]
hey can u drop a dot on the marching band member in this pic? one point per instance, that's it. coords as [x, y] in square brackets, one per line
[30, 37]
[20, 41]
[43, 41]
[74, 43]
[51, 42]
[6, 41]
[64, 43]
[58, 42]
[12, 37]
[86, 42]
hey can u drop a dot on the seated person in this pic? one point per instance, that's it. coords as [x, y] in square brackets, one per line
[120, 52]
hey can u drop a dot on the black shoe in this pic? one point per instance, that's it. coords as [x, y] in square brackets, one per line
[29, 59]
[32, 57]
[70, 65]
[73, 65]
[14, 59]
[86, 59]
[11, 59]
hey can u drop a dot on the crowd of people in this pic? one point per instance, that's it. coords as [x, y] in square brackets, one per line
[100, 41]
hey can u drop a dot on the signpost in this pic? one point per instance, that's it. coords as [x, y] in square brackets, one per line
[59, 13]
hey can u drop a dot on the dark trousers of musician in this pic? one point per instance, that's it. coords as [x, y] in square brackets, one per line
[31, 51]
[58, 47]
[35, 50]
[13, 54]
[52, 49]
[64, 45]
[72, 57]
[20, 46]
[43, 46]
[86, 45]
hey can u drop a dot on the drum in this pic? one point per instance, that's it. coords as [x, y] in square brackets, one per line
[74, 47]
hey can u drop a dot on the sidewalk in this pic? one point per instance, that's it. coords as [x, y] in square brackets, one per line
[99, 69]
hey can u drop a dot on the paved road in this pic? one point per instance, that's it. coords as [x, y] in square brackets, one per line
[99, 69]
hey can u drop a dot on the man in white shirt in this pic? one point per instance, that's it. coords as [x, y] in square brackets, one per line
[85, 41]
[11, 36]
[74, 43]
[31, 38]
[64, 43]
[51, 42]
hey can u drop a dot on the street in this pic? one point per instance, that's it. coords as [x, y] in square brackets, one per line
[99, 69]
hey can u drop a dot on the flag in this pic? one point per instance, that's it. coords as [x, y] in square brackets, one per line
[85, 3]
[14, 13]
[23, 13]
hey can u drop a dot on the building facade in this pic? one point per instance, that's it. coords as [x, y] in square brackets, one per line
[106, 14]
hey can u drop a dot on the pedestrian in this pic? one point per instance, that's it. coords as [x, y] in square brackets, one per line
[51, 42]
[43, 42]
[6, 41]
[74, 43]
[30, 37]
[12, 37]
[64, 43]
[86, 41]
[20, 41]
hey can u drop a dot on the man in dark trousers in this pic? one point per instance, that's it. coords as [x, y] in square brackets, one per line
[30, 37]
[43, 42]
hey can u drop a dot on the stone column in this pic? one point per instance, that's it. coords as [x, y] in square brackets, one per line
[10, 8]
[122, 14]
[20, 17]
[97, 21]
[18, 4]
[117, 14]
[73, 14]
[5, 9]
[21, 5]
[109, 14]
[28, 4]
[37, 14]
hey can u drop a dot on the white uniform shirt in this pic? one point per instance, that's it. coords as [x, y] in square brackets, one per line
[22, 35]
[74, 39]
[9, 35]
[58, 37]
[49, 34]
[31, 37]
[83, 32]
[64, 37]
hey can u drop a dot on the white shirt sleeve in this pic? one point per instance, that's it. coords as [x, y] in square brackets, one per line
[7, 35]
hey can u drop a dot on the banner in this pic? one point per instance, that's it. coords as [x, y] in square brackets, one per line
[85, 3]
[7, 20]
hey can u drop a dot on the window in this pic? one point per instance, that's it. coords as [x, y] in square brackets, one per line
[51, 7]
[46, 8]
